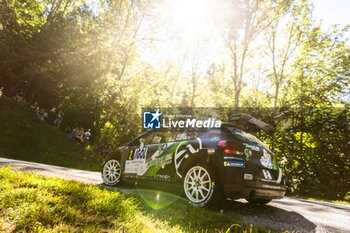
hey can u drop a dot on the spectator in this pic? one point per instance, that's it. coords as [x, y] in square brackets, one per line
[79, 135]
[24, 103]
[46, 115]
[19, 96]
[87, 136]
[51, 116]
[69, 132]
[34, 106]
[73, 133]
[41, 114]
[59, 119]
[1, 91]
[36, 110]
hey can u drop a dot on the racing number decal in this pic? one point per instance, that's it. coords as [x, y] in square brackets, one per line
[140, 154]
[130, 154]
[267, 174]
[137, 163]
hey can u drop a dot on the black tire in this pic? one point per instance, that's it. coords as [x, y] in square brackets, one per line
[258, 201]
[112, 172]
[202, 192]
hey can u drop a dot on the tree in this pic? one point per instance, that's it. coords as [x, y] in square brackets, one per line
[284, 36]
[244, 21]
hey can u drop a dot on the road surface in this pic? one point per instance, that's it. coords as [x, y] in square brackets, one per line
[279, 215]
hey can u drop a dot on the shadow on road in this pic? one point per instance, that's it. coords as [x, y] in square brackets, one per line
[271, 217]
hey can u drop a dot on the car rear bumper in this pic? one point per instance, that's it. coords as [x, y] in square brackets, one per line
[254, 189]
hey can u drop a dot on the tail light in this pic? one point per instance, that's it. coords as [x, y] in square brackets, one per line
[230, 147]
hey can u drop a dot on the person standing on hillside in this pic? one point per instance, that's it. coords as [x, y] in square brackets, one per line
[87, 136]
[34, 106]
[41, 114]
[59, 119]
[1, 91]
[51, 116]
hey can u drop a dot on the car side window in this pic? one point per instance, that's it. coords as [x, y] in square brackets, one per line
[157, 138]
[186, 135]
[169, 136]
[163, 137]
[144, 140]
[181, 136]
[192, 135]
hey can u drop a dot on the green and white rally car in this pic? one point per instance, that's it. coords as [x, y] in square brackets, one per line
[207, 165]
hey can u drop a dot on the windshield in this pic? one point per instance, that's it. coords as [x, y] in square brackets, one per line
[244, 135]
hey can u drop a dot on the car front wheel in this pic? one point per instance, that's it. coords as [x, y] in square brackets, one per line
[111, 172]
[200, 185]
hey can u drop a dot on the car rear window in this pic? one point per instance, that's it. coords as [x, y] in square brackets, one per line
[244, 135]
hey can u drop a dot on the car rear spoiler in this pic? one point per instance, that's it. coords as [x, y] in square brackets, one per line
[252, 122]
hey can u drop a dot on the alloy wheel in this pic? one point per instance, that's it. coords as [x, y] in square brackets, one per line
[197, 184]
[111, 172]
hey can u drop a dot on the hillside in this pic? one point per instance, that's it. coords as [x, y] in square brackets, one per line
[23, 136]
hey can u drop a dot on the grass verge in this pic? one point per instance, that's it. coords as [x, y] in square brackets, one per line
[31, 203]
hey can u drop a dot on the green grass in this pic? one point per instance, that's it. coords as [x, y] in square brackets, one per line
[23, 136]
[31, 203]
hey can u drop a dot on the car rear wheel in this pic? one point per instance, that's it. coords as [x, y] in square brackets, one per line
[258, 201]
[200, 185]
[111, 172]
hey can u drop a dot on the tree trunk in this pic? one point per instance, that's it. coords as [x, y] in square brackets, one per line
[236, 99]
[275, 101]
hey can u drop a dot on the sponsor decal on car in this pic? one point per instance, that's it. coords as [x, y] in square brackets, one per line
[233, 157]
[234, 164]
[138, 163]
[163, 160]
[248, 176]
[248, 153]
[135, 166]
[161, 177]
[183, 151]
[265, 159]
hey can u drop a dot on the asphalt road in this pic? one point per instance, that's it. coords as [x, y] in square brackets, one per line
[279, 215]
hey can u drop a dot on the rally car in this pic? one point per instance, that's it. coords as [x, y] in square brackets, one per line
[207, 165]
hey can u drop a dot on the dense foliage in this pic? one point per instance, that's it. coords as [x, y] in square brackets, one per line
[88, 58]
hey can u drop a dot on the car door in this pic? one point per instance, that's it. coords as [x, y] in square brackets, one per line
[135, 163]
[142, 151]
[159, 157]
[168, 147]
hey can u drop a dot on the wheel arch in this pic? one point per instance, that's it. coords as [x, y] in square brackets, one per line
[198, 158]
[115, 155]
